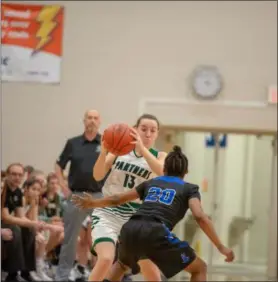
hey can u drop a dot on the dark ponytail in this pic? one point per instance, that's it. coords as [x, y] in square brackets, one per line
[176, 163]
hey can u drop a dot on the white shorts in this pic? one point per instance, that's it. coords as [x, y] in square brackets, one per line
[106, 227]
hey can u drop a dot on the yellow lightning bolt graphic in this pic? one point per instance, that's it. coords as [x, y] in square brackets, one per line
[47, 19]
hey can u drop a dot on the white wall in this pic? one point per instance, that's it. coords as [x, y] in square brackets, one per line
[115, 53]
[243, 189]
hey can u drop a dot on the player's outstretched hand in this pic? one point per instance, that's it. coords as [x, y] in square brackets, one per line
[228, 253]
[86, 201]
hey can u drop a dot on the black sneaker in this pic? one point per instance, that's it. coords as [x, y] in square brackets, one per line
[26, 276]
[13, 278]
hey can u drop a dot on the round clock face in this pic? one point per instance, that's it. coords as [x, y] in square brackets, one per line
[207, 82]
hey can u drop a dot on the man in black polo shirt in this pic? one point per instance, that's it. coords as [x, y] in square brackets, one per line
[82, 152]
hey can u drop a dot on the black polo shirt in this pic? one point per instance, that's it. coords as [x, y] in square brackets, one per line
[14, 199]
[82, 154]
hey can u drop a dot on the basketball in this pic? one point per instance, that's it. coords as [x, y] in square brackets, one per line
[117, 139]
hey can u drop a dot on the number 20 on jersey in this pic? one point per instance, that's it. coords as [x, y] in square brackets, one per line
[156, 194]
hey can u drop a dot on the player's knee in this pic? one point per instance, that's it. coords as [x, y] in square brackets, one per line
[40, 240]
[202, 267]
[197, 266]
[105, 251]
[107, 261]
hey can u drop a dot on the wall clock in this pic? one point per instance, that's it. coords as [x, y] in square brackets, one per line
[207, 82]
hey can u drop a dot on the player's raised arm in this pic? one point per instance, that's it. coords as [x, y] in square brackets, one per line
[103, 163]
[207, 226]
[87, 201]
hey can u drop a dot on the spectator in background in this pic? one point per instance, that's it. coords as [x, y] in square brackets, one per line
[52, 213]
[40, 175]
[3, 176]
[54, 236]
[20, 250]
[28, 170]
[53, 208]
[32, 188]
[82, 152]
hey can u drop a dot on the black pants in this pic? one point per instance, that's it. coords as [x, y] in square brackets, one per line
[145, 238]
[19, 253]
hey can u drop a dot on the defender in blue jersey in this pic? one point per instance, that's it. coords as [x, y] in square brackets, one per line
[147, 235]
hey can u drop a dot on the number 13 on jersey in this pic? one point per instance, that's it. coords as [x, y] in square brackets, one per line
[129, 181]
[156, 194]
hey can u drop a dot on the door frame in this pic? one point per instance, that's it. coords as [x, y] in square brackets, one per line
[174, 128]
[246, 116]
[171, 130]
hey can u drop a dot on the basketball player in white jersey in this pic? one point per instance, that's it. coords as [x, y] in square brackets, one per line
[125, 172]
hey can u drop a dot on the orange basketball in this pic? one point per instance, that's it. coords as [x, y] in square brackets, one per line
[117, 139]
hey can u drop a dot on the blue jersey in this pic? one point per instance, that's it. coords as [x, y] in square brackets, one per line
[166, 198]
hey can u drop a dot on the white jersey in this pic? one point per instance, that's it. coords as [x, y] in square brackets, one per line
[127, 172]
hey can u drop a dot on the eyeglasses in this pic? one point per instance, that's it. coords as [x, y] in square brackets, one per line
[16, 174]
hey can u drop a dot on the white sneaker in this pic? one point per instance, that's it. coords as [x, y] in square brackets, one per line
[73, 274]
[44, 277]
[78, 272]
[87, 273]
[35, 276]
[40, 271]
[50, 271]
